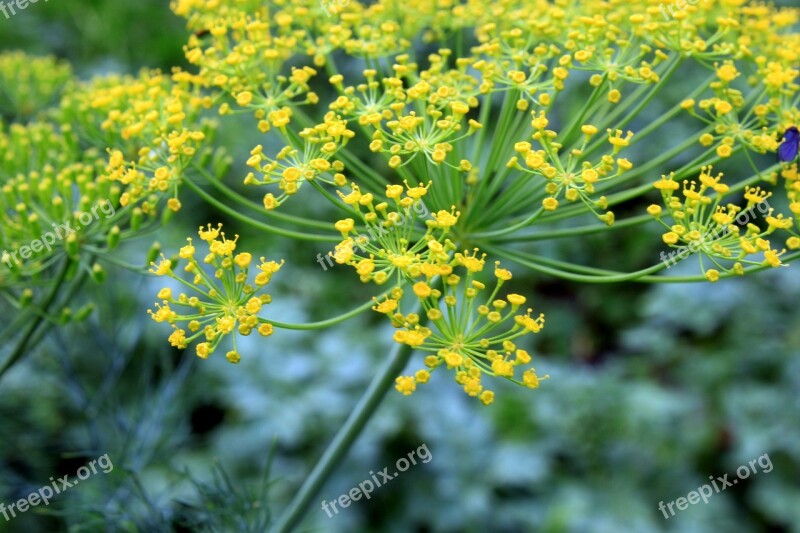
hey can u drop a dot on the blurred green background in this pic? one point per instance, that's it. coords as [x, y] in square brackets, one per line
[653, 388]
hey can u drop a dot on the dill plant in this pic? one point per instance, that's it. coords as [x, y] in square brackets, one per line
[516, 123]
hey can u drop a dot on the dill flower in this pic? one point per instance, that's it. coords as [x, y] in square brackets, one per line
[727, 232]
[56, 202]
[29, 84]
[292, 167]
[221, 302]
[391, 245]
[541, 120]
[244, 58]
[471, 332]
[403, 134]
[151, 127]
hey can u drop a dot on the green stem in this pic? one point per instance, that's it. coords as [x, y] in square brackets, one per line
[246, 202]
[498, 147]
[325, 323]
[572, 232]
[255, 223]
[651, 94]
[512, 228]
[568, 133]
[597, 275]
[584, 278]
[344, 439]
[19, 350]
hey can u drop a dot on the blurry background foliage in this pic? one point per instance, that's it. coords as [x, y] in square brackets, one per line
[653, 389]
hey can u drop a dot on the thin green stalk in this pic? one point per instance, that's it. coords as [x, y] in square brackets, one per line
[483, 119]
[344, 439]
[598, 275]
[514, 227]
[19, 350]
[489, 180]
[104, 256]
[17, 323]
[517, 197]
[255, 223]
[517, 131]
[652, 93]
[567, 134]
[246, 202]
[572, 232]
[324, 323]
[498, 146]
[337, 202]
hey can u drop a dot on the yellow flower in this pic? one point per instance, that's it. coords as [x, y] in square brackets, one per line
[405, 385]
[163, 268]
[471, 347]
[345, 226]
[727, 72]
[422, 289]
[203, 350]
[164, 294]
[243, 260]
[218, 309]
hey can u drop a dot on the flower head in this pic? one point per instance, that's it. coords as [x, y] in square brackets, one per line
[471, 333]
[220, 302]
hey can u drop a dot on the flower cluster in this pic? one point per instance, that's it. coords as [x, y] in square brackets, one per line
[29, 84]
[291, 167]
[470, 332]
[517, 114]
[56, 200]
[720, 232]
[150, 124]
[35, 146]
[393, 111]
[731, 119]
[222, 302]
[395, 248]
[573, 181]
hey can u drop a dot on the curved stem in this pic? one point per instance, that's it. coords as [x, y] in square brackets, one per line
[512, 228]
[255, 223]
[139, 269]
[246, 202]
[567, 134]
[19, 350]
[630, 115]
[324, 323]
[344, 439]
[596, 275]
[599, 276]
[571, 232]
